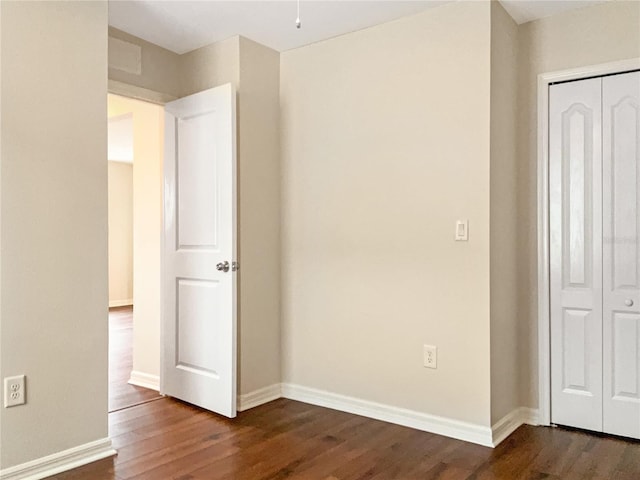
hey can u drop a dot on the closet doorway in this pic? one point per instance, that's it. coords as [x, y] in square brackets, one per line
[594, 253]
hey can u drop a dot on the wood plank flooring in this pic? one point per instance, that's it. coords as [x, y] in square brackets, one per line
[167, 439]
[121, 394]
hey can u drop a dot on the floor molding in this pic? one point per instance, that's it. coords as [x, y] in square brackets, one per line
[60, 462]
[145, 380]
[259, 397]
[469, 432]
[120, 303]
[510, 423]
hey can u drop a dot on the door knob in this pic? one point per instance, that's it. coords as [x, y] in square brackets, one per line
[222, 266]
[628, 302]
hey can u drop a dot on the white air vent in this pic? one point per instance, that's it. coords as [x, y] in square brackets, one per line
[125, 56]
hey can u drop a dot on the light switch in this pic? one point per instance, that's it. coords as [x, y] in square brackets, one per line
[462, 230]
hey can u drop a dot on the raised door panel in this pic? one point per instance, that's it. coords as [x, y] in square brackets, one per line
[197, 182]
[577, 178]
[621, 258]
[576, 328]
[624, 354]
[575, 253]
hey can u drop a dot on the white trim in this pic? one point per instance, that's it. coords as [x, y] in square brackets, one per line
[544, 337]
[448, 427]
[259, 397]
[145, 380]
[510, 423]
[120, 303]
[530, 416]
[139, 93]
[60, 462]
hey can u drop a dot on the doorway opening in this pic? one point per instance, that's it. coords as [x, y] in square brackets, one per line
[544, 223]
[135, 226]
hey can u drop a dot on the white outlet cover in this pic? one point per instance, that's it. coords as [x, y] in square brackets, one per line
[430, 353]
[14, 391]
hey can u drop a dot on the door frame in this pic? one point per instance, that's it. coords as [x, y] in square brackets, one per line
[139, 93]
[135, 92]
[544, 313]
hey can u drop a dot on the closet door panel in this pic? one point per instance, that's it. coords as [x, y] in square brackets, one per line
[621, 253]
[575, 186]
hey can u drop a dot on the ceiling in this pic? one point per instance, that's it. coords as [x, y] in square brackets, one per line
[184, 25]
[523, 11]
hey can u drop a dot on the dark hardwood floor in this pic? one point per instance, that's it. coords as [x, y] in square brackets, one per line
[121, 394]
[167, 439]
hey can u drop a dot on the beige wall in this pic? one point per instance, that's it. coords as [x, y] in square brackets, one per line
[385, 144]
[54, 225]
[160, 69]
[588, 36]
[210, 66]
[259, 214]
[120, 233]
[148, 128]
[505, 391]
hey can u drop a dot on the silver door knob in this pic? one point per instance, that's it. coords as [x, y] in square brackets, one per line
[628, 302]
[222, 267]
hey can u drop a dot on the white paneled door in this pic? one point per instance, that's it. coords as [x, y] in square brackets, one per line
[576, 253]
[199, 251]
[594, 152]
[621, 266]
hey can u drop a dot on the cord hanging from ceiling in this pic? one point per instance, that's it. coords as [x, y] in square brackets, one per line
[298, 24]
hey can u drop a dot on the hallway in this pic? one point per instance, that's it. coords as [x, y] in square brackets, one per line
[121, 393]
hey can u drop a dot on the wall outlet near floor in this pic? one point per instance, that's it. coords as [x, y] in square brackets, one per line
[430, 356]
[14, 391]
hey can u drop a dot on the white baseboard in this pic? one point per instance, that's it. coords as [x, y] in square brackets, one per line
[259, 397]
[510, 423]
[145, 380]
[469, 432]
[60, 462]
[120, 303]
[530, 416]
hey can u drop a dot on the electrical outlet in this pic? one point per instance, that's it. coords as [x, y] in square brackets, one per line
[14, 391]
[430, 356]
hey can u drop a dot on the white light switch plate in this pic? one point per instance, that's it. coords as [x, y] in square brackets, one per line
[462, 230]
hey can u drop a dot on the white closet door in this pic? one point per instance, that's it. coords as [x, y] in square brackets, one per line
[621, 253]
[575, 186]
